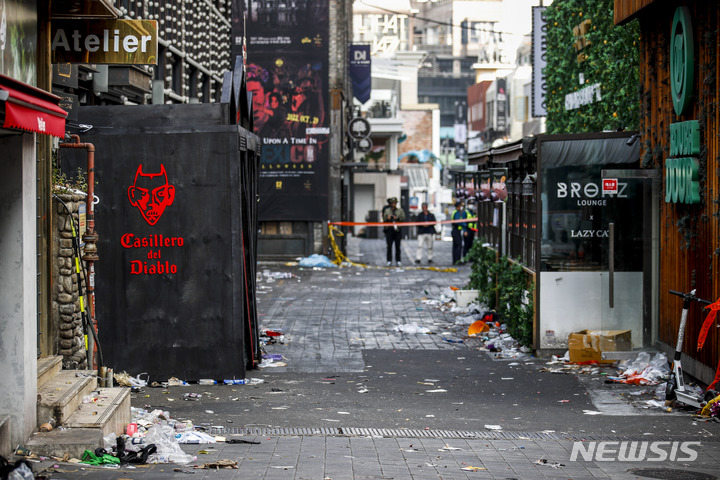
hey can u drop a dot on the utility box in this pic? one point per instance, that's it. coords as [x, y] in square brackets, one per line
[176, 220]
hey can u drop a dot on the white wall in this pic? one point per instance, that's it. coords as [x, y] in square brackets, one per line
[18, 286]
[560, 312]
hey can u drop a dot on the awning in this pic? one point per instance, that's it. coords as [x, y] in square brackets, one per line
[24, 107]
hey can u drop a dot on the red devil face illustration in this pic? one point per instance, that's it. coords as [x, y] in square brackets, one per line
[151, 194]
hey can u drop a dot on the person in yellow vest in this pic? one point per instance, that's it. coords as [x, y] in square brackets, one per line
[472, 230]
[459, 231]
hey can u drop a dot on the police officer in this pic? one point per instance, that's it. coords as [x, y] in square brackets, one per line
[459, 231]
[393, 233]
[472, 230]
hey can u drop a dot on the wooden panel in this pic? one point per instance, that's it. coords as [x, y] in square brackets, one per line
[625, 10]
[689, 234]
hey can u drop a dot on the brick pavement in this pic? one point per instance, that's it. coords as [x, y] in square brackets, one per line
[328, 322]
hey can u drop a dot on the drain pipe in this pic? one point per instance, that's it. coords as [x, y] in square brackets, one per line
[90, 238]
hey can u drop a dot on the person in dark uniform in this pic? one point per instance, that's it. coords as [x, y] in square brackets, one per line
[393, 233]
[459, 231]
[472, 230]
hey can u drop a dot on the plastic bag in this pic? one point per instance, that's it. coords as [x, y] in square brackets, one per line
[21, 472]
[316, 260]
[411, 328]
[168, 449]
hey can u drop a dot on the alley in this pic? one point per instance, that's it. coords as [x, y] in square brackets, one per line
[350, 396]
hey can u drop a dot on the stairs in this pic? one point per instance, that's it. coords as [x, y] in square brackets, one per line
[82, 412]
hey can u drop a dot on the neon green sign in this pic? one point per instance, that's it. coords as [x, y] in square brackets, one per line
[682, 60]
[685, 138]
[682, 183]
[681, 180]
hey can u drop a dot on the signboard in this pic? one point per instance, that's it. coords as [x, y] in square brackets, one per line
[539, 60]
[501, 112]
[359, 128]
[287, 75]
[364, 145]
[360, 71]
[120, 42]
[610, 186]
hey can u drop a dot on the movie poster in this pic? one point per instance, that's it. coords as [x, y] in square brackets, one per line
[287, 74]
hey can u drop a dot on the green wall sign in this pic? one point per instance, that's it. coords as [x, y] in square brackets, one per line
[685, 138]
[681, 180]
[682, 183]
[682, 60]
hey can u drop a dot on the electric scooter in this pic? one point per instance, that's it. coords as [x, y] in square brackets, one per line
[675, 389]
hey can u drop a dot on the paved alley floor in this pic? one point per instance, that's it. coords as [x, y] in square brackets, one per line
[359, 396]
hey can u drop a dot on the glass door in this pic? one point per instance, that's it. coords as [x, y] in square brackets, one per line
[595, 265]
[623, 244]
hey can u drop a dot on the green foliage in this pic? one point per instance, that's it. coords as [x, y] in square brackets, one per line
[482, 272]
[503, 286]
[515, 300]
[612, 60]
[62, 182]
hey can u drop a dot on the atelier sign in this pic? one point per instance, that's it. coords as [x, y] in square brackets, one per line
[128, 42]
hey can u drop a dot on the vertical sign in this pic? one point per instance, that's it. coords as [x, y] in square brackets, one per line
[287, 76]
[501, 105]
[539, 49]
[460, 129]
[360, 71]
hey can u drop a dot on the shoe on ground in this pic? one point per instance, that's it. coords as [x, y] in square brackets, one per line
[389, 264]
[417, 261]
[430, 261]
[399, 264]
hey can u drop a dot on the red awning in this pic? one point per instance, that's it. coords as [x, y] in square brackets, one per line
[30, 109]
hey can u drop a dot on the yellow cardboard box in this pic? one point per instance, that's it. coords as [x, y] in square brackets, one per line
[589, 345]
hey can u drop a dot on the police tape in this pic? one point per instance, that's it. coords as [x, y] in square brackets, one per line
[341, 259]
[402, 224]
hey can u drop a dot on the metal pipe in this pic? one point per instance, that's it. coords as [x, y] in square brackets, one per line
[611, 281]
[90, 237]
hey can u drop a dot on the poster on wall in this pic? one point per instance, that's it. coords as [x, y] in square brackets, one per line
[18, 40]
[287, 75]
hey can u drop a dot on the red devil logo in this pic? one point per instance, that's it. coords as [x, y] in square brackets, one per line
[151, 194]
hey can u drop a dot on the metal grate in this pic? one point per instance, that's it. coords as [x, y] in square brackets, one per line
[449, 434]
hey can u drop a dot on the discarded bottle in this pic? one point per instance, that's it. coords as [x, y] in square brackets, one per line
[243, 381]
[131, 429]
[206, 381]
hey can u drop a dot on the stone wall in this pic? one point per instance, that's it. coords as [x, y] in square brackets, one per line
[66, 314]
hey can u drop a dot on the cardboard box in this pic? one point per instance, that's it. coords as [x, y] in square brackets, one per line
[589, 345]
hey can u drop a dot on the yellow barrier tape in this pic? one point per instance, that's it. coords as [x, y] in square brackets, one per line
[340, 258]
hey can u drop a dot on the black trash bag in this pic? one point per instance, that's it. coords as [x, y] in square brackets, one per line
[20, 470]
[127, 456]
[5, 468]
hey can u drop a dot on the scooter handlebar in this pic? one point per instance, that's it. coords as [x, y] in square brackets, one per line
[690, 296]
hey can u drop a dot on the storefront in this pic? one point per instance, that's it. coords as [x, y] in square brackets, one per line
[24, 112]
[678, 136]
[577, 212]
[594, 245]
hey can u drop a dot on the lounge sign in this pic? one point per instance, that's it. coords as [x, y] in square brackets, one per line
[128, 42]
